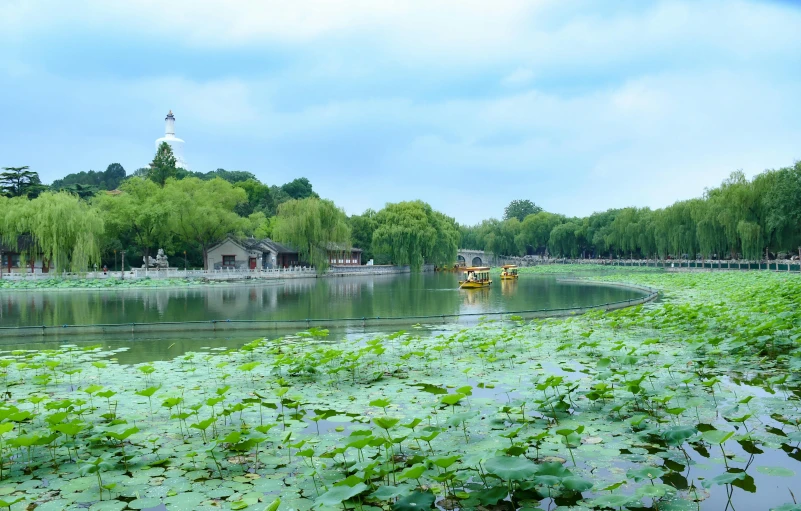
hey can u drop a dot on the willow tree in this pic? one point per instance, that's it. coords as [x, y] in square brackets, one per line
[751, 236]
[140, 212]
[535, 231]
[203, 211]
[413, 233]
[782, 206]
[562, 241]
[63, 230]
[444, 251]
[312, 226]
[503, 242]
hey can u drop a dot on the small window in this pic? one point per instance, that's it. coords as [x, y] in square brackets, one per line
[14, 258]
[229, 260]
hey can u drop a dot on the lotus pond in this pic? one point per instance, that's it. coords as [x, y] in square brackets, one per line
[688, 403]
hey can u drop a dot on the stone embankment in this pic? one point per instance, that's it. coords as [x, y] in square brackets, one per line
[682, 265]
[220, 275]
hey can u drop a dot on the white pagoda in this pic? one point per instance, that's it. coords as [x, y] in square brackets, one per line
[175, 143]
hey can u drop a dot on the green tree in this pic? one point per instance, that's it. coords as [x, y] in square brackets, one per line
[535, 231]
[20, 182]
[413, 233]
[140, 212]
[163, 166]
[64, 230]
[782, 205]
[562, 241]
[312, 226]
[232, 176]
[476, 236]
[502, 242]
[259, 198]
[444, 252]
[112, 177]
[361, 233]
[203, 211]
[520, 209]
[82, 191]
[260, 226]
[299, 188]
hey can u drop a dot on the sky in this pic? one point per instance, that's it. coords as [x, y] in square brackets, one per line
[577, 105]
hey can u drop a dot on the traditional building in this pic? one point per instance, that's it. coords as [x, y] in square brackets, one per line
[18, 259]
[174, 142]
[342, 255]
[249, 253]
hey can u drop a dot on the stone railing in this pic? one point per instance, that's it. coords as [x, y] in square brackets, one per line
[218, 274]
[688, 264]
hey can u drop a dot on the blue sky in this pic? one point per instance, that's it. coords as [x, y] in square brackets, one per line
[578, 105]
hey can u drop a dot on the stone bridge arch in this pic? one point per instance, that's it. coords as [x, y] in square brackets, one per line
[473, 257]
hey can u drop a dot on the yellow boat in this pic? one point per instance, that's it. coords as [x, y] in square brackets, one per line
[475, 277]
[509, 272]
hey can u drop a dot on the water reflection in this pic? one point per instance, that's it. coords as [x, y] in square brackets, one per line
[508, 287]
[298, 299]
[474, 298]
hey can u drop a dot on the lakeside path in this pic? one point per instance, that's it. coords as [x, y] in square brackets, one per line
[685, 403]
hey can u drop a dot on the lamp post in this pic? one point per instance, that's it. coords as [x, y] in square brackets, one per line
[184, 260]
[122, 268]
[1, 263]
[115, 260]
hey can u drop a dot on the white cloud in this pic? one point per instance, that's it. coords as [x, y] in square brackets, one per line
[589, 105]
[542, 33]
[520, 76]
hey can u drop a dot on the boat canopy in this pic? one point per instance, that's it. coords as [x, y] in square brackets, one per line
[509, 266]
[477, 269]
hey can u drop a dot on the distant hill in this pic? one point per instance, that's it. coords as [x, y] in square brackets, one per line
[108, 180]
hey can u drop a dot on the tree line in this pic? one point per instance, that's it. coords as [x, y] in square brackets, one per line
[741, 218]
[89, 219]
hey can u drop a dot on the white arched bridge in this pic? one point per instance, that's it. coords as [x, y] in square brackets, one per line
[470, 257]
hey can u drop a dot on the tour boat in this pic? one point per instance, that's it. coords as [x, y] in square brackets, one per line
[509, 272]
[475, 277]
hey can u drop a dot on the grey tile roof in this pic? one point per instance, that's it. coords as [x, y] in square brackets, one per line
[268, 244]
[342, 247]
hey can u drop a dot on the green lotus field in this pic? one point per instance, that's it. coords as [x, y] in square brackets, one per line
[690, 402]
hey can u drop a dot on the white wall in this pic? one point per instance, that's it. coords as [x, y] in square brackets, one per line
[228, 247]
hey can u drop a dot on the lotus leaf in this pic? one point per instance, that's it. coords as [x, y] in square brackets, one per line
[339, 494]
[511, 468]
[613, 501]
[716, 436]
[415, 501]
[574, 483]
[390, 492]
[775, 471]
[724, 478]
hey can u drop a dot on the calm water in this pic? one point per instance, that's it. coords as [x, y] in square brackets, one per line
[349, 297]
